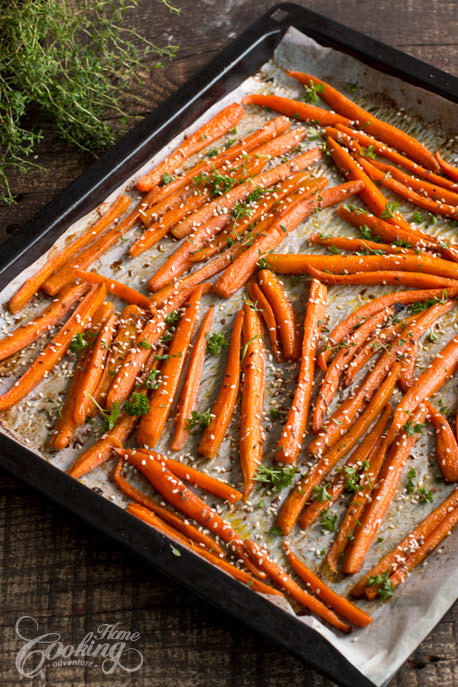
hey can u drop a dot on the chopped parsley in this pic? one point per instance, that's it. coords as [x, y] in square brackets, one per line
[385, 586]
[144, 344]
[110, 417]
[137, 405]
[216, 342]
[328, 522]
[412, 429]
[321, 493]
[78, 343]
[313, 91]
[167, 178]
[198, 421]
[368, 152]
[410, 484]
[154, 380]
[276, 476]
[391, 208]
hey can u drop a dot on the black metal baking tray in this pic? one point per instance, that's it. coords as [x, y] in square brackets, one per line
[225, 72]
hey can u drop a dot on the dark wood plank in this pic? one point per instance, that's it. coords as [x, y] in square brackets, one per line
[71, 579]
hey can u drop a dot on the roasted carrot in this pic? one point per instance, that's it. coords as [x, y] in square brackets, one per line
[123, 291]
[224, 404]
[189, 504]
[152, 424]
[384, 278]
[447, 168]
[55, 350]
[337, 602]
[378, 128]
[56, 260]
[446, 446]
[243, 267]
[356, 460]
[345, 327]
[295, 109]
[253, 382]
[267, 314]
[338, 243]
[341, 361]
[261, 557]
[184, 526]
[293, 431]
[373, 144]
[285, 315]
[425, 188]
[210, 131]
[40, 324]
[382, 496]
[190, 392]
[210, 225]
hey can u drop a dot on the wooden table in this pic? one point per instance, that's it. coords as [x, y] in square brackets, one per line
[71, 579]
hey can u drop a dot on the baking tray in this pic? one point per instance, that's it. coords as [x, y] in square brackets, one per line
[238, 61]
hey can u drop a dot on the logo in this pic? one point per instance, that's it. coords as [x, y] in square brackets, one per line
[107, 647]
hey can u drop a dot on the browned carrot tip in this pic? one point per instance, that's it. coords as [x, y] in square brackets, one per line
[284, 312]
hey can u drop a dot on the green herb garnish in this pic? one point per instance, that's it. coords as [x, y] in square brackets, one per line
[276, 476]
[137, 405]
[216, 342]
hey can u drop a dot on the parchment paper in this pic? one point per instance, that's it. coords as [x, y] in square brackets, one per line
[419, 603]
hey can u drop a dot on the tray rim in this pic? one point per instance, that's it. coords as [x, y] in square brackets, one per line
[89, 190]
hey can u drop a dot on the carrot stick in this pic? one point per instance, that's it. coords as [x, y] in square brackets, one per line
[243, 267]
[55, 350]
[185, 527]
[152, 424]
[189, 504]
[283, 580]
[271, 129]
[357, 458]
[285, 315]
[224, 404]
[210, 131]
[40, 324]
[56, 260]
[345, 355]
[384, 278]
[382, 496]
[253, 382]
[292, 435]
[267, 314]
[390, 154]
[356, 245]
[210, 224]
[378, 128]
[123, 291]
[190, 392]
[446, 446]
[434, 191]
[295, 109]
[447, 168]
[344, 328]
[337, 602]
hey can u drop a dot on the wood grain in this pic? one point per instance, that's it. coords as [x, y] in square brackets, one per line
[71, 579]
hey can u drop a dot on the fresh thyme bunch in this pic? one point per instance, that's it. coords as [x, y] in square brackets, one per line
[75, 59]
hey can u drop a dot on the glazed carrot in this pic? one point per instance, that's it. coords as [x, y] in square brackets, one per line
[283, 144]
[382, 496]
[267, 314]
[356, 245]
[447, 168]
[55, 350]
[190, 392]
[430, 381]
[243, 267]
[271, 129]
[210, 131]
[40, 324]
[285, 315]
[56, 260]
[123, 291]
[152, 424]
[356, 460]
[293, 431]
[343, 358]
[224, 404]
[184, 526]
[421, 532]
[446, 446]
[253, 382]
[282, 579]
[93, 372]
[345, 327]
[425, 188]
[295, 109]
[337, 602]
[390, 154]
[378, 128]
[384, 278]
[189, 504]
